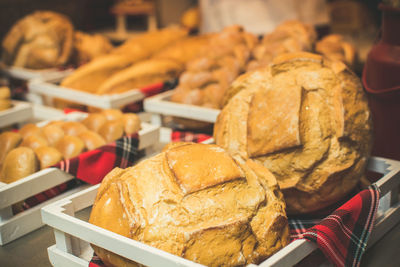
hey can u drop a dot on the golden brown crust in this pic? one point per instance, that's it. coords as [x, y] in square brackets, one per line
[89, 46]
[70, 146]
[52, 133]
[143, 73]
[5, 92]
[236, 217]
[131, 123]
[40, 40]
[34, 141]
[94, 121]
[334, 47]
[112, 130]
[315, 136]
[289, 37]
[30, 129]
[90, 76]
[19, 162]
[8, 141]
[112, 114]
[48, 156]
[92, 140]
[73, 128]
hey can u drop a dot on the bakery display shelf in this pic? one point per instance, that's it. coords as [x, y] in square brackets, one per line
[19, 112]
[29, 74]
[73, 235]
[13, 227]
[160, 105]
[50, 88]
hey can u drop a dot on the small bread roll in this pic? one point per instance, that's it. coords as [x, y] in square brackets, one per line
[94, 121]
[70, 146]
[34, 141]
[112, 114]
[73, 128]
[5, 104]
[131, 123]
[5, 92]
[19, 163]
[48, 156]
[8, 141]
[92, 140]
[30, 129]
[52, 133]
[112, 130]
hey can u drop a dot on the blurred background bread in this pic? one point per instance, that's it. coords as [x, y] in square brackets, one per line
[43, 39]
[60, 140]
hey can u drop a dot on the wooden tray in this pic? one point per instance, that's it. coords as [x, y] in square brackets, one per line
[73, 235]
[160, 105]
[13, 227]
[19, 112]
[50, 88]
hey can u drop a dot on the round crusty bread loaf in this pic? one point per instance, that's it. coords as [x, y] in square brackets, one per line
[40, 40]
[197, 202]
[307, 120]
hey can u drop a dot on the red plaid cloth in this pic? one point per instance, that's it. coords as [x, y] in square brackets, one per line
[342, 236]
[179, 136]
[92, 166]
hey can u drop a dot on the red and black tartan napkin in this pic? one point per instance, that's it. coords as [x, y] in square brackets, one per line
[342, 236]
[91, 166]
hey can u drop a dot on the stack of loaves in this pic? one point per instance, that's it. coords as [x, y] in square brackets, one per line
[32, 148]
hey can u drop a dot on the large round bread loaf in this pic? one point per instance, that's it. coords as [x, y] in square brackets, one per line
[40, 40]
[307, 120]
[197, 202]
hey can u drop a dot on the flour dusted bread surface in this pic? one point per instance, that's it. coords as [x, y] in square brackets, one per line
[307, 120]
[197, 202]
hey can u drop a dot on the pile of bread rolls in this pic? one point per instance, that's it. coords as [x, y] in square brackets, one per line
[33, 148]
[5, 98]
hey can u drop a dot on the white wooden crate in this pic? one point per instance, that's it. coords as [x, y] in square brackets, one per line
[74, 235]
[161, 105]
[13, 227]
[50, 88]
[29, 74]
[19, 112]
